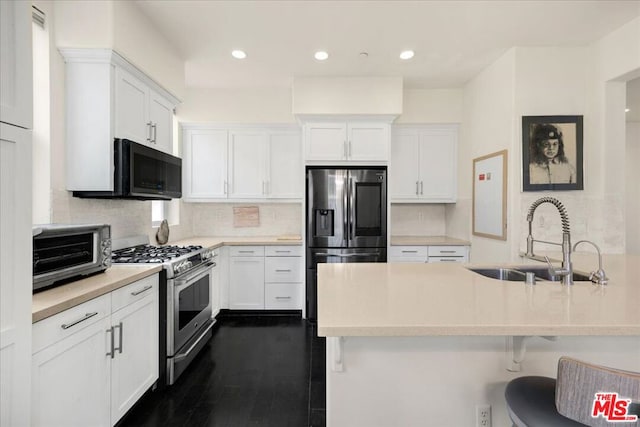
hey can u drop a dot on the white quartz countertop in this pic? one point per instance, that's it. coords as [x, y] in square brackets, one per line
[427, 240]
[402, 299]
[218, 241]
[55, 300]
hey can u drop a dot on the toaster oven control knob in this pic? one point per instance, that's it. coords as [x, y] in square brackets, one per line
[106, 243]
[106, 262]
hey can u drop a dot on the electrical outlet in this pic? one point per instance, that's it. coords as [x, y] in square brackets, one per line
[483, 415]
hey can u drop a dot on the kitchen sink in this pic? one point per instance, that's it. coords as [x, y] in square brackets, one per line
[543, 273]
[517, 274]
[501, 273]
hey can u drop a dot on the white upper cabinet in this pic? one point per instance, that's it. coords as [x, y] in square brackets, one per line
[142, 115]
[346, 142]
[248, 163]
[16, 85]
[131, 108]
[424, 164]
[284, 165]
[106, 98]
[204, 172]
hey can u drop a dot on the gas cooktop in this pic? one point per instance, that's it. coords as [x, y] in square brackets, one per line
[151, 254]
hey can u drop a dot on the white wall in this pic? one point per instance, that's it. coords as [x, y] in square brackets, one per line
[488, 126]
[431, 106]
[92, 24]
[586, 81]
[347, 95]
[632, 158]
[255, 105]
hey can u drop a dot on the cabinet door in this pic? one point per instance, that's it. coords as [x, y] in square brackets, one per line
[368, 141]
[325, 141]
[131, 103]
[15, 273]
[284, 166]
[247, 154]
[205, 164]
[246, 283]
[16, 85]
[404, 175]
[438, 171]
[134, 367]
[71, 380]
[161, 119]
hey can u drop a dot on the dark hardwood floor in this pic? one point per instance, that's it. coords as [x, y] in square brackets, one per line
[255, 371]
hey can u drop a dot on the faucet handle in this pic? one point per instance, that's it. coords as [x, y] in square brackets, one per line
[599, 277]
[557, 271]
[552, 269]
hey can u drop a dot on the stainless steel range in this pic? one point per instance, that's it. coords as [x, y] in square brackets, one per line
[185, 302]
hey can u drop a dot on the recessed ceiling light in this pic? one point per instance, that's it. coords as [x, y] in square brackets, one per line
[407, 54]
[321, 55]
[626, 110]
[364, 55]
[238, 54]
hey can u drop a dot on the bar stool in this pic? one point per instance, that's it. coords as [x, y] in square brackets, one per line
[568, 401]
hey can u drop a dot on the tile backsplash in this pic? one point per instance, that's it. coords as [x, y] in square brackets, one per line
[418, 220]
[216, 219]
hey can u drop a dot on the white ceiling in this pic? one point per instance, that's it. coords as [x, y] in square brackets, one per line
[453, 40]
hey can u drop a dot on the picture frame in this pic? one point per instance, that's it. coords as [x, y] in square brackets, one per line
[552, 153]
[490, 178]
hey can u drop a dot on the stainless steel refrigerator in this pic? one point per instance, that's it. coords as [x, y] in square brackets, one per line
[346, 220]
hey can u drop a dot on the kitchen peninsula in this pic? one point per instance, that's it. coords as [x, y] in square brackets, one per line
[423, 344]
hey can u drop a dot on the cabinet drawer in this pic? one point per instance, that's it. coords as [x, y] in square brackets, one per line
[282, 296]
[246, 251]
[408, 259]
[433, 259]
[283, 250]
[57, 327]
[133, 292]
[409, 251]
[282, 269]
[447, 250]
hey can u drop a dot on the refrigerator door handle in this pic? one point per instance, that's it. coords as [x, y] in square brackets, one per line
[345, 208]
[347, 255]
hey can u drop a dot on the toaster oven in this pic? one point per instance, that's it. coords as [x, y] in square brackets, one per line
[64, 252]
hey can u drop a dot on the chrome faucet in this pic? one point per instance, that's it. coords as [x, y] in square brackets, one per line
[566, 271]
[598, 276]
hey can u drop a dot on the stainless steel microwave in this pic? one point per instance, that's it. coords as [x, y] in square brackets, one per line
[63, 252]
[141, 173]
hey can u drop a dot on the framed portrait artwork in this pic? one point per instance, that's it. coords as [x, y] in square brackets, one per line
[552, 153]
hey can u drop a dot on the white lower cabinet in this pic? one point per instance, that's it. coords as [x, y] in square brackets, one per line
[430, 254]
[91, 363]
[265, 278]
[246, 278]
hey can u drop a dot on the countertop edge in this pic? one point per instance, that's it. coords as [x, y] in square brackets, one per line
[80, 296]
[438, 331]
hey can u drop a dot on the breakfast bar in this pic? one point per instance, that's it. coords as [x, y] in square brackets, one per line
[424, 344]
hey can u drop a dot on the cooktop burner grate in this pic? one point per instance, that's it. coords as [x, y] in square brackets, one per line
[151, 254]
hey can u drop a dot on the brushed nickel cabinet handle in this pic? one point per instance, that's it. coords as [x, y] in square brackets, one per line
[283, 297]
[417, 183]
[146, 288]
[409, 252]
[283, 271]
[119, 348]
[111, 352]
[421, 187]
[75, 322]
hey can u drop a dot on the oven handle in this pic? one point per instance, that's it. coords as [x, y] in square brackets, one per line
[352, 255]
[201, 271]
[185, 354]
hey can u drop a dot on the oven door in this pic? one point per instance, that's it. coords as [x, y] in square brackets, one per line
[189, 306]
